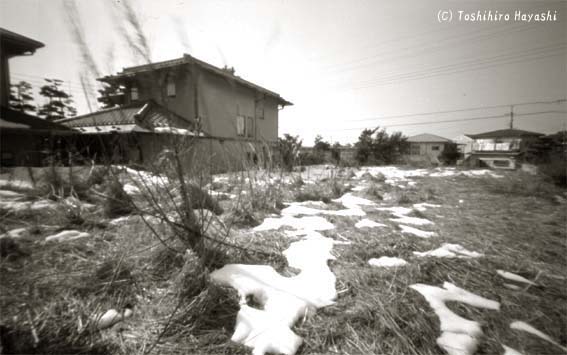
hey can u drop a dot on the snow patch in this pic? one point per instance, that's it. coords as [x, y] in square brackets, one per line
[314, 223]
[284, 299]
[519, 325]
[459, 336]
[66, 236]
[386, 261]
[514, 277]
[509, 351]
[411, 220]
[448, 250]
[423, 206]
[15, 233]
[367, 223]
[416, 232]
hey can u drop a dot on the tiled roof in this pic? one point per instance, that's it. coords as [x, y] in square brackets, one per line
[11, 119]
[141, 117]
[505, 133]
[428, 138]
[187, 59]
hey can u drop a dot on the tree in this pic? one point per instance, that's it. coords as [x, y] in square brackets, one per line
[320, 144]
[336, 152]
[378, 145]
[450, 154]
[289, 147]
[364, 146]
[110, 96]
[21, 97]
[59, 103]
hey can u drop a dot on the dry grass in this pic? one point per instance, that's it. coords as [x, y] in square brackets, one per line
[177, 310]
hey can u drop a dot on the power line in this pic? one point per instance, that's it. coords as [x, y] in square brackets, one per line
[506, 115]
[469, 65]
[477, 108]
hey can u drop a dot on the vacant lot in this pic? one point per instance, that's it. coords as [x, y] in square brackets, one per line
[487, 224]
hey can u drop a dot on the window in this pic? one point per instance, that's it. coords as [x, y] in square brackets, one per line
[501, 163]
[414, 149]
[250, 127]
[240, 126]
[134, 93]
[170, 86]
[435, 147]
[260, 107]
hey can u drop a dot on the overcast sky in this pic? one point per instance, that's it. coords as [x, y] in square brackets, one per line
[345, 65]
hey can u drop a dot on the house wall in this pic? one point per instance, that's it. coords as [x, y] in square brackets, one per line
[220, 101]
[425, 151]
[4, 79]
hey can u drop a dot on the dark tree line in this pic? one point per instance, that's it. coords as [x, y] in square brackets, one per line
[57, 103]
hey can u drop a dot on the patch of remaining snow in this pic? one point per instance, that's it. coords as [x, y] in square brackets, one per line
[18, 206]
[353, 202]
[301, 208]
[386, 261]
[358, 188]
[396, 210]
[519, 325]
[512, 287]
[131, 189]
[417, 232]
[411, 220]
[424, 205]
[308, 223]
[509, 351]
[367, 223]
[284, 299]
[66, 236]
[514, 277]
[459, 336]
[448, 250]
[15, 233]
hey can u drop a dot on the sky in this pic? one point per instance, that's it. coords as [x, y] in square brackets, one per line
[346, 65]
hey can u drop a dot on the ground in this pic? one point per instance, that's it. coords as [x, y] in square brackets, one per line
[52, 290]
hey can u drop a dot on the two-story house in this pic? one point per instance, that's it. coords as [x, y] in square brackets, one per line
[501, 149]
[225, 107]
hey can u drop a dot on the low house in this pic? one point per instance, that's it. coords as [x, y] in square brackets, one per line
[426, 147]
[501, 149]
[128, 134]
[24, 139]
[234, 115]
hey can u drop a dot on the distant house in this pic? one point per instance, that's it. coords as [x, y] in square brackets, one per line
[464, 145]
[501, 149]
[24, 139]
[426, 147]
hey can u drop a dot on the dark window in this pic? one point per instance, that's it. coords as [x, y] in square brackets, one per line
[435, 147]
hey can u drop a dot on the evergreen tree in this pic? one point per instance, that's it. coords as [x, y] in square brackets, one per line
[59, 103]
[21, 97]
[108, 96]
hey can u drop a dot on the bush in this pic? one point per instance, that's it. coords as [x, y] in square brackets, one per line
[117, 202]
[450, 154]
[556, 170]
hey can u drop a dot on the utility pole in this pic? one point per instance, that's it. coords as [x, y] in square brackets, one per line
[511, 116]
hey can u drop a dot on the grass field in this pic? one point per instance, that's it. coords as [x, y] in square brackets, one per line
[51, 290]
